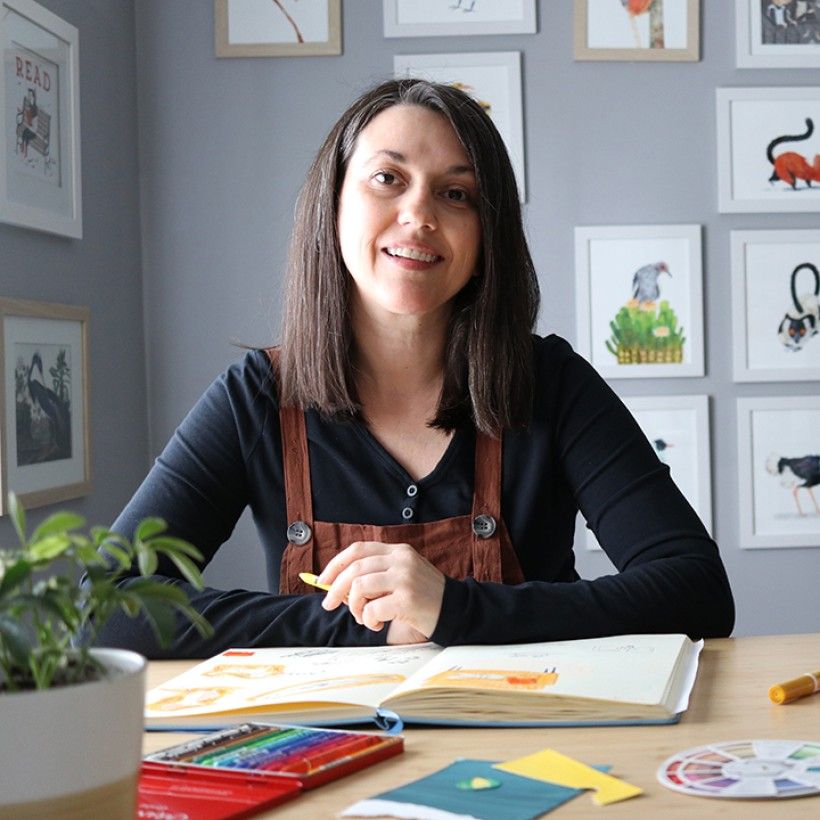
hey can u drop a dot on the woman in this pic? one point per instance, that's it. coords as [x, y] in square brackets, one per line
[412, 441]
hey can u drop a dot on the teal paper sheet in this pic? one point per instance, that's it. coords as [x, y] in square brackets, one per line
[517, 798]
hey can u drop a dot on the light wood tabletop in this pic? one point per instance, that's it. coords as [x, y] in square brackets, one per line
[729, 702]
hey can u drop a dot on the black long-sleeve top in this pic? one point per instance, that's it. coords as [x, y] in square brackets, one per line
[583, 451]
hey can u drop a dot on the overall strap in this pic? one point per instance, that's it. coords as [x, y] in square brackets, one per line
[486, 524]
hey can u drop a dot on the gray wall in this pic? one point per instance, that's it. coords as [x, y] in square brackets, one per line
[223, 147]
[103, 270]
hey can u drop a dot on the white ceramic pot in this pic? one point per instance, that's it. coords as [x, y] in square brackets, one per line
[74, 751]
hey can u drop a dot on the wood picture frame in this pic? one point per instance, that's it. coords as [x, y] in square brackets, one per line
[432, 18]
[666, 30]
[40, 168]
[784, 34]
[639, 303]
[768, 144]
[277, 28]
[779, 471]
[776, 305]
[45, 454]
[678, 429]
[493, 79]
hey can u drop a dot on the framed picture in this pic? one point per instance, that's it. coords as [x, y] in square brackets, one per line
[434, 18]
[639, 306]
[678, 428]
[779, 467]
[778, 33]
[277, 28]
[40, 175]
[768, 144]
[637, 30]
[44, 434]
[493, 79]
[776, 305]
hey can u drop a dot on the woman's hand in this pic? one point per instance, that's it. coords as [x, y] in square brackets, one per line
[383, 583]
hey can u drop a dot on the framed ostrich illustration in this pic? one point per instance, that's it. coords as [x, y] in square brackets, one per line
[40, 177]
[637, 30]
[493, 79]
[779, 466]
[677, 427]
[778, 33]
[44, 434]
[434, 18]
[638, 293]
[768, 149]
[277, 28]
[776, 305]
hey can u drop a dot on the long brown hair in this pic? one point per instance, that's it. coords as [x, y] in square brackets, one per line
[488, 377]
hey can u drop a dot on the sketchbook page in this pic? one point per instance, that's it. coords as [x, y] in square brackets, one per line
[241, 680]
[682, 688]
[635, 669]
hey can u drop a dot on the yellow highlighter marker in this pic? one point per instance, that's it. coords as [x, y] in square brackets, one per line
[310, 578]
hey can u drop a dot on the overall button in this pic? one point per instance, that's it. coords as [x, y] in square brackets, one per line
[484, 526]
[299, 533]
[412, 490]
[407, 513]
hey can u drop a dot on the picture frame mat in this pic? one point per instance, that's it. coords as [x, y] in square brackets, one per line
[741, 243]
[516, 23]
[730, 102]
[584, 237]
[582, 51]
[225, 48]
[446, 68]
[25, 200]
[44, 323]
[750, 538]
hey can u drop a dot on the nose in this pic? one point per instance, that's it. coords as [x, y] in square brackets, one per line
[417, 208]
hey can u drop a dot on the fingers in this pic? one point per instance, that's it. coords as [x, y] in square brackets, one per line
[357, 561]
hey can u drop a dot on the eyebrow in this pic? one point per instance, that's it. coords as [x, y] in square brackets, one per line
[397, 156]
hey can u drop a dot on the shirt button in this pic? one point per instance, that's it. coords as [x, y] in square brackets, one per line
[407, 513]
[412, 490]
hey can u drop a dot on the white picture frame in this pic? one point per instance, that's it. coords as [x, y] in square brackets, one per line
[493, 78]
[434, 18]
[776, 38]
[754, 123]
[678, 429]
[40, 169]
[623, 332]
[45, 453]
[774, 432]
[283, 28]
[611, 31]
[774, 338]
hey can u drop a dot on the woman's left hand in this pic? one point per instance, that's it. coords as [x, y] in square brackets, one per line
[383, 583]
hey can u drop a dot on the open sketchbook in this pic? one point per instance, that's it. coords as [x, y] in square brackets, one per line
[623, 679]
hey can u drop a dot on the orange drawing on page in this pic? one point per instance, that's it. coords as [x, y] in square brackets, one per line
[493, 679]
[346, 682]
[180, 699]
[249, 671]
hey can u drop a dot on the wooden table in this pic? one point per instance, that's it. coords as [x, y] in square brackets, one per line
[729, 702]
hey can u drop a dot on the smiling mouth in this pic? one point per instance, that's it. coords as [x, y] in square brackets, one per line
[412, 253]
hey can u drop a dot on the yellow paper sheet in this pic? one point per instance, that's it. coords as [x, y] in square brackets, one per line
[553, 767]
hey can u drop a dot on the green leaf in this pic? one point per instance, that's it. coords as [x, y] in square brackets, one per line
[148, 561]
[149, 527]
[51, 547]
[15, 575]
[189, 570]
[169, 544]
[15, 640]
[121, 557]
[60, 522]
[18, 517]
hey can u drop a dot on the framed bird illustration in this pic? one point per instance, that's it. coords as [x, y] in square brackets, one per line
[779, 470]
[637, 30]
[639, 308]
[44, 427]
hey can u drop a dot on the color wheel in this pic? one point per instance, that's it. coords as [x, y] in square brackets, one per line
[745, 769]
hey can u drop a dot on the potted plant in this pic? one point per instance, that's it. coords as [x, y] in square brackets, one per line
[71, 717]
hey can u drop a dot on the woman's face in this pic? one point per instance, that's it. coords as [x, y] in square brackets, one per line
[408, 221]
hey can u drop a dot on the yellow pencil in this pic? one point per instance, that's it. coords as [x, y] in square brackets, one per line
[310, 578]
[806, 684]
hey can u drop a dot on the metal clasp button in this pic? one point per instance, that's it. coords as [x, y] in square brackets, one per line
[299, 533]
[484, 526]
